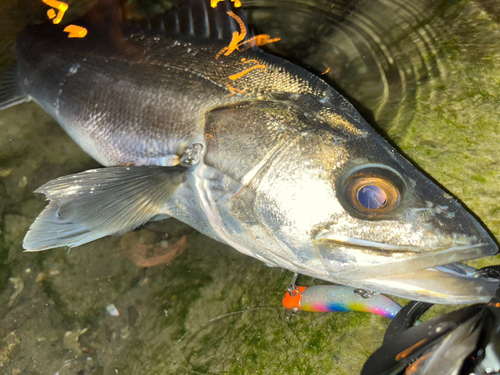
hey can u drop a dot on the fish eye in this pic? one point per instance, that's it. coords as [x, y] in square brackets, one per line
[373, 191]
[372, 196]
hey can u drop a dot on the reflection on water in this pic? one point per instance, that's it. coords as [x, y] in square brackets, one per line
[377, 52]
[425, 72]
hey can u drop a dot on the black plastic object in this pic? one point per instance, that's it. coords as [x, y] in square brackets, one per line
[463, 342]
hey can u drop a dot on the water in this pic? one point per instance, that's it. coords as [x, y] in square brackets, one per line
[425, 73]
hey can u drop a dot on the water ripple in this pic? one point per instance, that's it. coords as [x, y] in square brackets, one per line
[380, 54]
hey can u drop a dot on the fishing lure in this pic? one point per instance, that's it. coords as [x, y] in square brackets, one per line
[336, 298]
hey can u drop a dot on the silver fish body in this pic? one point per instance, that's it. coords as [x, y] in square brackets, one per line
[249, 149]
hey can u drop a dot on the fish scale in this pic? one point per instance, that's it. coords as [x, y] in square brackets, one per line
[136, 94]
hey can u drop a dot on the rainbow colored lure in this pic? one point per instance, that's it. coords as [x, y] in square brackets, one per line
[335, 298]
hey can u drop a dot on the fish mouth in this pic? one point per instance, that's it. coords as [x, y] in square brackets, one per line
[412, 272]
[358, 259]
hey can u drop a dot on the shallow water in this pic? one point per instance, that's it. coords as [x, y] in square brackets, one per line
[427, 75]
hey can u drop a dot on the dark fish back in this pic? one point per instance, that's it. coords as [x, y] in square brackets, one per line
[133, 95]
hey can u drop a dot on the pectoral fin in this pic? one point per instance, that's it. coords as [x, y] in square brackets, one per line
[100, 202]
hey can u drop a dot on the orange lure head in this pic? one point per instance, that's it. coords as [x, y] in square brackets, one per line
[290, 301]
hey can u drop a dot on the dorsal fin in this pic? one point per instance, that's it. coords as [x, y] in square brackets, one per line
[104, 12]
[197, 18]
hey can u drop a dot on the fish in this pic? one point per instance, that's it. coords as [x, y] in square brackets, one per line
[192, 120]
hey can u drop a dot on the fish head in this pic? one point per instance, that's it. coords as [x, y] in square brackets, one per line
[347, 207]
[391, 219]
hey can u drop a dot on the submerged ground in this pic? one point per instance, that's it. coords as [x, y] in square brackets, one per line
[122, 305]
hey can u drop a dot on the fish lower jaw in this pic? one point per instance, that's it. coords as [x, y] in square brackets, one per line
[406, 272]
[435, 286]
[428, 285]
[356, 259]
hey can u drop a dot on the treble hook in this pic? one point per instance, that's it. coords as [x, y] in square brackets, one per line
[292, 288]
